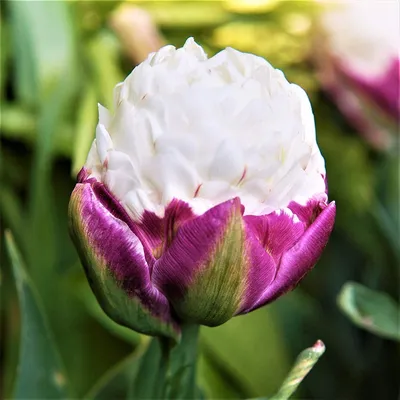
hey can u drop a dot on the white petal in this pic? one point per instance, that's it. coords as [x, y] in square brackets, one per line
[228, 163]
[192, 47]
[104, 116]
[103, 141]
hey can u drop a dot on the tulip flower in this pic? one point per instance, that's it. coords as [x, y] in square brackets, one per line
[204, 194]
[359, 64]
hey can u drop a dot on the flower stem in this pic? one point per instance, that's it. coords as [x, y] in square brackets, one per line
[181, 381]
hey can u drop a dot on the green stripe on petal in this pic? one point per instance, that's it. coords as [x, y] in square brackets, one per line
[204, 272]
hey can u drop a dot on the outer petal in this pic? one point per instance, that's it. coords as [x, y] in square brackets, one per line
[294, 244]
[204, 271]
[383, 90]
[115, 262]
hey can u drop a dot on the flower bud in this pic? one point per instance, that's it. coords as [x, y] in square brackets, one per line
[359, 64]
[204, 196]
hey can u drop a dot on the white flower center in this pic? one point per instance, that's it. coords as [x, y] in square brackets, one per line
[207, 130]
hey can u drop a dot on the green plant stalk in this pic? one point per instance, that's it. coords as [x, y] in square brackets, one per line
[167, 369]
[181, 378]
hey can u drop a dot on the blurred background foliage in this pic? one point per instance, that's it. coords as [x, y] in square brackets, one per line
[58, 59]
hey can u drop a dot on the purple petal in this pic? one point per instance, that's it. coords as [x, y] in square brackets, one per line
[299, 259]
[115, 262]
[268, 238]
[261, 271]
[309, 212]
[203, 272]
[382, 90]
[277, 232]
[159, 232]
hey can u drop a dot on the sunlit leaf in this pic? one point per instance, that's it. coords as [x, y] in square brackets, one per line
[85, 128]
[41, 58]
[105, 74]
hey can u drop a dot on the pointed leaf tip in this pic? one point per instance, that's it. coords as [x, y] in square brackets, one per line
[303, 365]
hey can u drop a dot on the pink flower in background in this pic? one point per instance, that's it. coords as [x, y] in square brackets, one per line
[203, 195]
[359, 64]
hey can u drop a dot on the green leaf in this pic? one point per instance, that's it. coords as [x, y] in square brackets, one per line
[85, 128]
[149, 382]
[5, 53]
[371, 310]
[41, 58]
[105, 74]
[302, 366]
[40, 372]
[19, 124]
[41, 221]
[12, 213]
[45, 77]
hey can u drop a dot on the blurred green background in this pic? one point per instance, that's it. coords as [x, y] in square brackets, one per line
[58, 59]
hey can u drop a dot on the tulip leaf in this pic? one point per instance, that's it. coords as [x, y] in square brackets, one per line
[105, 74]
[303, 365]
[149, 382]
[19, 124]
[41, 59]
[5, 55]
[371, 310]
[40, 372]
[85, 129]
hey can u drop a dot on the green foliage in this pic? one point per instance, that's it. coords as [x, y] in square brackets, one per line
[371, 310]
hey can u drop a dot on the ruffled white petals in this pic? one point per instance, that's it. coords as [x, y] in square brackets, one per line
[205, 131]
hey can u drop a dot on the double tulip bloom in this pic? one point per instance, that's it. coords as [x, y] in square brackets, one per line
[204, 195]
[359, 64]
